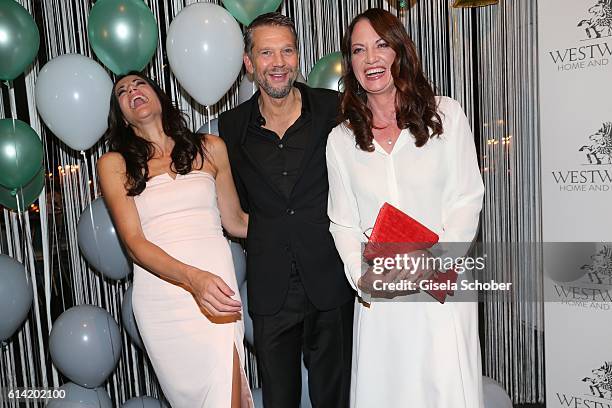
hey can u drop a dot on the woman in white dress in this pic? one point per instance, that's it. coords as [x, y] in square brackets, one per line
[398, 143]
[169, 191]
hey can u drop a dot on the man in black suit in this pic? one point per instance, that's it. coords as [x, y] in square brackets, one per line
[299, 297]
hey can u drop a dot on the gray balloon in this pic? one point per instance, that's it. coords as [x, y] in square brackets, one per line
[68, 404]
[85, 345]
[239, 262]
[15, 296]
[214, 127]
[257, 398]
[144, 402]
[494, 395]
[77, 396]
[305, 400]
[248, 87]
[248, 322]
[128, 320]
[99, 242]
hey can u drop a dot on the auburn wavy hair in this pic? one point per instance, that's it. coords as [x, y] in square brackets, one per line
[415, 103]
[137, 151]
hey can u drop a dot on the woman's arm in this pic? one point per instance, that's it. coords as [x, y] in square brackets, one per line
[462, 210]
[463, 201]
[344, 216]
[234, 220]
[209, 290]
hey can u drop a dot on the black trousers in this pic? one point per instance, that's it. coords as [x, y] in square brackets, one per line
[323, 337]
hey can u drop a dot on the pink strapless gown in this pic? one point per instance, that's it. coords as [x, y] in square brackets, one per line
[192, 355]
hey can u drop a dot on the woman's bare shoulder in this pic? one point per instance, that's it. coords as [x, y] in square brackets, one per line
[111, 162]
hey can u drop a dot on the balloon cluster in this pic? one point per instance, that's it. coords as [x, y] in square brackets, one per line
[85, 346]
[123, 35]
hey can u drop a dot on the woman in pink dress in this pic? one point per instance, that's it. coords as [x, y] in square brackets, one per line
[169, 192]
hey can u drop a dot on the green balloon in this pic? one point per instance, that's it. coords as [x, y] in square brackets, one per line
[21, 153]
[22, 197]
[19, 39]
[246, 11]
[123, 34]
[327, 72]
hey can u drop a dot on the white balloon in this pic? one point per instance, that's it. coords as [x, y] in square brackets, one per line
[205, 50]
[73, 98]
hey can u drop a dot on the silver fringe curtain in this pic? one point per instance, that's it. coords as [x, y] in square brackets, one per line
[485, 58]
[506, 91]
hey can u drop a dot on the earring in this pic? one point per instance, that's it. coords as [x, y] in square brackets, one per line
[359, 90]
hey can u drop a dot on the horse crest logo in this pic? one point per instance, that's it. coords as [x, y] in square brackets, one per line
[600, 384]
[599, 24]
[599, 149]
[599, 271]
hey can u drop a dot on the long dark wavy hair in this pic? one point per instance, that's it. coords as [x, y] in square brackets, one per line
[137, 151]
[415, 103]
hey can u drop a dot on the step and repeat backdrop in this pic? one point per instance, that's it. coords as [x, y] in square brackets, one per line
[575, 66]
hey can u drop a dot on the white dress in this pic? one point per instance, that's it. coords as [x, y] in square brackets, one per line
[191, 353]
[410, 354]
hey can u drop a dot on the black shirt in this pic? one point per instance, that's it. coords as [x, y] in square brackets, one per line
[279, 158]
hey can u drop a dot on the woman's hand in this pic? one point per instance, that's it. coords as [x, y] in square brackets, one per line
[400, 280]
[212, 294]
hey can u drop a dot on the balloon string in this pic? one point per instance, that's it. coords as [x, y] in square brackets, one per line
[18, 197]
[13, 107]
[208, 115]
[24, 242]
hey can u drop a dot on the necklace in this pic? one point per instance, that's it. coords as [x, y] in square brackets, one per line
[389, 140]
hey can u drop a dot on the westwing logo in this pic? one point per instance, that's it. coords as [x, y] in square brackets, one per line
[601, 382]
[599, 24]
[600, 387]
[599, 149]
[596, 26]
[596, 153]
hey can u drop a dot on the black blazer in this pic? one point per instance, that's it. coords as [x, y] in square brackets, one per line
[280, 227]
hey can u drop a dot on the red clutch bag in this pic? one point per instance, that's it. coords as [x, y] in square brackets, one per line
[395, 232]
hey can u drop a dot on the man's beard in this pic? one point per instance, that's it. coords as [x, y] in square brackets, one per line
[277, 93]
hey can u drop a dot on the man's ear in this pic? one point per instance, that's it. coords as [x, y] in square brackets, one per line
[248, 64]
